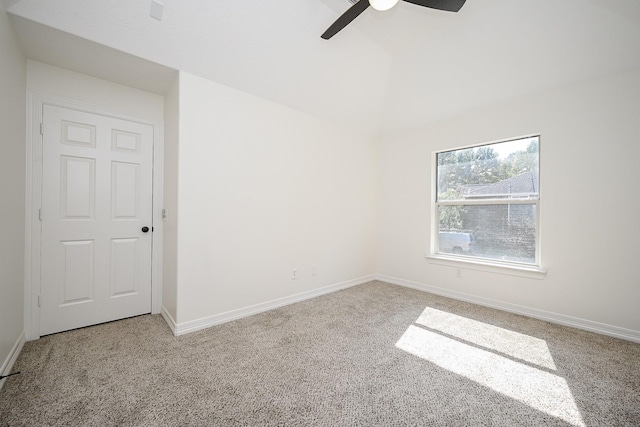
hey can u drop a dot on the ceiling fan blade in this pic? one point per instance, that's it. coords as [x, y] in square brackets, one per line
[448, 5]
[351, 14]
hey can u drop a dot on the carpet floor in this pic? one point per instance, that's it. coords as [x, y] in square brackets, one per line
[371, 355]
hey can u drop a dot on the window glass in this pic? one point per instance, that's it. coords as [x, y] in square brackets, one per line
[497, 232]
[487, 201]
[499, 170]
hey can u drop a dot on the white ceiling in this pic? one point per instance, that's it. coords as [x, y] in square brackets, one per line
[61, 49]
[386, 72]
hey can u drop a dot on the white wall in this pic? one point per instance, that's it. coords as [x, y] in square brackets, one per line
[263, 189]
[12, 190]
[119, 99]
[590, 202]
[170, 250]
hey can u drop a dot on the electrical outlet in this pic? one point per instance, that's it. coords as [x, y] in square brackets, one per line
[294, 274]
[314, 270]
[458, 272]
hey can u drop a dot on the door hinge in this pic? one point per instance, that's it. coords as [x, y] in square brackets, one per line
[41, 128]
[40, 214]
[39, 303]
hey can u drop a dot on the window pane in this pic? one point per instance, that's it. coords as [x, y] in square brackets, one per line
[493, 171]
[498, 232]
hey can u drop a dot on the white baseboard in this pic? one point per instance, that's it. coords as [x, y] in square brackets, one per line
[169, 319]
[217, 319]
[561, 319]
[11, 358]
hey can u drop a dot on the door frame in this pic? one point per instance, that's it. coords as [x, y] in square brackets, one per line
[33, 225]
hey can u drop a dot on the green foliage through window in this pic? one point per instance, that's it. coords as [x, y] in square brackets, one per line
[461, 170]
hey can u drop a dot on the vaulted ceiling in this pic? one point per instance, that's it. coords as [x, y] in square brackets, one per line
[384, 73]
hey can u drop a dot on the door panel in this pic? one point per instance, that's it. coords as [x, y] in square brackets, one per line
[77, 274]
[125, 185]
[96, 197]
[124, 257]
[77, 176]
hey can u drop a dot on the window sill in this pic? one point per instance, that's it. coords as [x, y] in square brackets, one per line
[488, 266]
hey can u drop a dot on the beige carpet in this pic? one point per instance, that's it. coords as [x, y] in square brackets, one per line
[372, 355]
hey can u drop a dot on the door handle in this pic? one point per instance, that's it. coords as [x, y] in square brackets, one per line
[145, 229]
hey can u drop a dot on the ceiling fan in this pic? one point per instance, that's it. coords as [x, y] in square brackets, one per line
[361, 5]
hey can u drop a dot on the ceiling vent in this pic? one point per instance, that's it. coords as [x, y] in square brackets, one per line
[156, 10]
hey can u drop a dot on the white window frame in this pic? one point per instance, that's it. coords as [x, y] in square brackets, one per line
[460, 261]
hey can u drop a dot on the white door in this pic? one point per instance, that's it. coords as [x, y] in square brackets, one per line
[96, 207]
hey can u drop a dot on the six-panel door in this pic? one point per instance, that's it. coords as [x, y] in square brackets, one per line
[96, 199]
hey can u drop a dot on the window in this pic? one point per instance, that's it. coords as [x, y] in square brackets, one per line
[487, 201]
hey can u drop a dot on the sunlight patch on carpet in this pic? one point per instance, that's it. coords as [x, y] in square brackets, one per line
[514, 344]
[534, 387]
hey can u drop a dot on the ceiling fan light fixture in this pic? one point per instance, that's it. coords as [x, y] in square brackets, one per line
[359, 6]
[382, 5]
